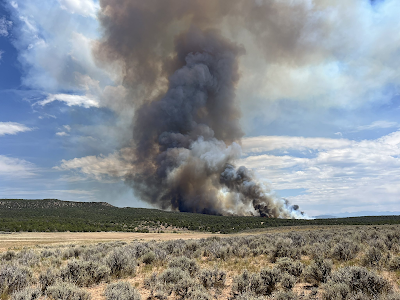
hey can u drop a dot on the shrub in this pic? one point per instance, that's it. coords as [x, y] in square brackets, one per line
[184, 264]
[212, 278]
[257, 285]
[72, 251]
[359, 279]
[121, 291]
[67, 291]
[199, 294]
[263, 283]
[241, 283]
[9, 255]
[394, 263]
[120, 263]
[318, 250]
[391, 297]
[336, 291]
[287, 295]
[318, 271]
[284, 248]
[46, 253]
[372, 257]
[28, 258]
[294, 268]
[288, 281]
[159, 292]
[26, 294]
[161, 254]
[270, 279]
[84, 273]
[47, 279]
[183, 287]
[14, 278]
[149, 258]
[345, 250]
[172, 276]
[248, 296]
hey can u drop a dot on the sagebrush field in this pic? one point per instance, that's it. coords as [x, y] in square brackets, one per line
[340, 262]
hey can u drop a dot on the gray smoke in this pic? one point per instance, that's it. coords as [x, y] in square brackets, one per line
[186, 131]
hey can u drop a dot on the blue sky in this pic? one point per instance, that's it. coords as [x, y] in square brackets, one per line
[321, 129]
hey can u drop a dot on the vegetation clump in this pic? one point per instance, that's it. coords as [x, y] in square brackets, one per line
[343, 263]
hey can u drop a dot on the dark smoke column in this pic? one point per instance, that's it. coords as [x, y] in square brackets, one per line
[185, 142]
[186, 130]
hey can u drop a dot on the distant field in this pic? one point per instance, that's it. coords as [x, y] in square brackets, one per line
[52, 215]
[19, 240]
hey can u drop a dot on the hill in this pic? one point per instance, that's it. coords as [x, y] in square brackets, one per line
[56, 215]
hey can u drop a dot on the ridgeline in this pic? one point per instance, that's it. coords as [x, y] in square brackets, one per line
[51, 215]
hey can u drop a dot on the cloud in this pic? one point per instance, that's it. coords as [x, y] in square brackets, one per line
[70, 100]
[115, 165]
[270, 143]
[5, 26]
[82, 7]
[64, 194]
[16, 168]
[377, 125]
[12, 128]
[342, 176]
[62, 133]
[53, 55]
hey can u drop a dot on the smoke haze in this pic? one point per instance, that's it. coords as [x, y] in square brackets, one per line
[181, 73]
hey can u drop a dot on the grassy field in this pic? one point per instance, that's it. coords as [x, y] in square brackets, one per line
[318, 262]
[59, 216]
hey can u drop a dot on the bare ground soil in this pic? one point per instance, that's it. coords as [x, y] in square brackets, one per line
[27, 239]
[19, 240]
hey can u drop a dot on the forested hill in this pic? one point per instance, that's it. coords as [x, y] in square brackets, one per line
[57, 215]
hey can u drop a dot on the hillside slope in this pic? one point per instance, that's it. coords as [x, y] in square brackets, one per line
[57, 215]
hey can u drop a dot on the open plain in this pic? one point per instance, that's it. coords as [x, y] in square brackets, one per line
[283, 263]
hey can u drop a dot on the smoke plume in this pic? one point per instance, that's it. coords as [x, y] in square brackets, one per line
[182, 74]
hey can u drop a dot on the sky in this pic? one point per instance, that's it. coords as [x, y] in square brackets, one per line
[319, 94]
